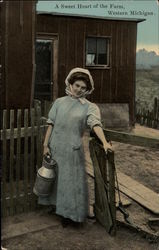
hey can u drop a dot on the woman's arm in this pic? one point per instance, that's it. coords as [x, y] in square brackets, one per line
[46, 140]
[99, 132]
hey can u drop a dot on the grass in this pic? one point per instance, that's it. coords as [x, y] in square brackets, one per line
[147, 87]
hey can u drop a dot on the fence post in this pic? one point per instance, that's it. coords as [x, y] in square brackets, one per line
[155, 111]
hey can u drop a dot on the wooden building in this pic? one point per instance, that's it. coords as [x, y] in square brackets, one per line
[41, 48]
[105, 46]
[17, 53]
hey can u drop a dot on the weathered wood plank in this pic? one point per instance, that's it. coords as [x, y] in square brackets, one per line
[11, 161]
[153, 221]
[18, 156]
[26, 160]
[42, 128]
[100, 154]
[102, 162]
[124, 200]
[100, 194]
[38, 138]
[138, 192]
[144, 232]
[132, 139]
[111, 170]
[32, 157]
[4, 166]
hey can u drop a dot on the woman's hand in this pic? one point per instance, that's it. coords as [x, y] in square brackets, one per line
[99, 132]
[46, 150]
[107, 146]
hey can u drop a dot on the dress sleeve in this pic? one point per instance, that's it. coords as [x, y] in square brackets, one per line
[93, 116]
[52, 113]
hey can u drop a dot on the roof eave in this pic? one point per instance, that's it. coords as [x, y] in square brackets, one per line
[137, 20]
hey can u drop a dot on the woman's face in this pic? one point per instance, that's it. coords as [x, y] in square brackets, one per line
[79, 87]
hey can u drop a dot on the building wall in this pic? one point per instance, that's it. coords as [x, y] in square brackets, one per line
[113, 85]
[18, 59]
[2, 82]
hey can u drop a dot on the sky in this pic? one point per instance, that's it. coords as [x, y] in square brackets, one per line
[148, 30]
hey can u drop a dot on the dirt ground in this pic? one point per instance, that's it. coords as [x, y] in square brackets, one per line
[92, 237]
[142, 164]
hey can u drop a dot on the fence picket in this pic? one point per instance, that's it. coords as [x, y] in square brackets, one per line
[156, 105]
[25, 160]
[4, 167]
[18, 159]
[32, 167]
[38, 139]
[11, 162]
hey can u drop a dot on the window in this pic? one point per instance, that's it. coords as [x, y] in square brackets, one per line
[97, 51]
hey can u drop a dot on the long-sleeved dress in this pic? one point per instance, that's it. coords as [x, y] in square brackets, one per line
[70, 119]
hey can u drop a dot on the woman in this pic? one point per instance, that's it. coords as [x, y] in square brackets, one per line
[68, 118]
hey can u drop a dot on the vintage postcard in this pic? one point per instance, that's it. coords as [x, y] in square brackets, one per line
[80, 124]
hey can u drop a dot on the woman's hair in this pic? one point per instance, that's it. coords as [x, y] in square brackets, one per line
[80, 76]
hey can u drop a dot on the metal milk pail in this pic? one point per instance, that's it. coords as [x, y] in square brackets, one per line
[45, 177]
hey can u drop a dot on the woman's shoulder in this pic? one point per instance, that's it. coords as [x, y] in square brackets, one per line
[92, 106]
[59, 100]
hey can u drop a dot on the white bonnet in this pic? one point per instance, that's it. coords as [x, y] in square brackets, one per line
[85, 71]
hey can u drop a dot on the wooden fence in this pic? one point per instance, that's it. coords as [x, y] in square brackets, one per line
[147, 117]
[21, 153]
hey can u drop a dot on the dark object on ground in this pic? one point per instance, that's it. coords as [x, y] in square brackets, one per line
[66, 222]
[52, 210]
[91, 217]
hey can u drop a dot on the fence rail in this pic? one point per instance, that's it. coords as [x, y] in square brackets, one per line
[147, 117]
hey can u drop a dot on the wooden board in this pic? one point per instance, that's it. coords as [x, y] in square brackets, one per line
[138, 192]
[102, 208]
[143, 141]
[90, 172]
[143, 231]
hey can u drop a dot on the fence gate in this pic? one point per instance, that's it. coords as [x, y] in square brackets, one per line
[21, 149]
[104, 169]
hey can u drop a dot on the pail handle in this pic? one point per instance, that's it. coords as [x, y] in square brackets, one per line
[45, 155]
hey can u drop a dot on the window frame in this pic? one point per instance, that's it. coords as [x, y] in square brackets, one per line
[98, 66]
